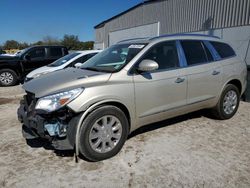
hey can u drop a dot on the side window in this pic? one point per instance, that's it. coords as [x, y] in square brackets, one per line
[224, 50]
[165, 54]
[91, 55]
[195, 52]
[37, 53]
[55, 52]
[82, 59]
[78, 60]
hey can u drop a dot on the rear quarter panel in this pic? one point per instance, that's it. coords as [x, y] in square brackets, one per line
[234, 69]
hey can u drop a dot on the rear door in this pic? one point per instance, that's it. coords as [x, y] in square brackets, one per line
[204, 74]
[162, 90]
[54, 53]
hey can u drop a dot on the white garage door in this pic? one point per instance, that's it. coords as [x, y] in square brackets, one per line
[150, 30]
[99, 46]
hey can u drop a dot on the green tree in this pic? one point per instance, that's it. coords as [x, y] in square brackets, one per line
[11, 44]
[23, 45]
[71, 42]
[38, 43]
[49, 40]
[88, 45]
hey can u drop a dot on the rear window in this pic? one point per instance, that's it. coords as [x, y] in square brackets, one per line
[56, 52]
[195, 52]
[224, 50]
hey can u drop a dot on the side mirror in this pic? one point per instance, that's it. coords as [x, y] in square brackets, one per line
[148, 65]
[27, 57]
[78, 65]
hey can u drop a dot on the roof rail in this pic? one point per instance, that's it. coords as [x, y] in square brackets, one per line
[132, 39]
[184, 34]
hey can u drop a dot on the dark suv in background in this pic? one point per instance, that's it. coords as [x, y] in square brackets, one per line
[2, 52]
[13, 69]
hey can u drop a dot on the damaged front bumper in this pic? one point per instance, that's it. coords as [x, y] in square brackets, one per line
[57, 127]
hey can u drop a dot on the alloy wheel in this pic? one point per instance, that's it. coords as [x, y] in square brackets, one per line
[6, 78]
[230, 102]
[105, 133]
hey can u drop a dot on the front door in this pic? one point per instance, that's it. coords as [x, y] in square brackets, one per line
[36, 59]
[162, 90]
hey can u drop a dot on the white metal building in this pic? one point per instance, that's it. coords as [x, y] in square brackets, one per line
[227, 19]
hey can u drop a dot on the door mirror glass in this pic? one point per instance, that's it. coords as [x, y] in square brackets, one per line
[78, 65]
[148, 65]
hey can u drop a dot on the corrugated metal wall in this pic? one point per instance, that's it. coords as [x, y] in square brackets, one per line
[149, 30]
[177, 16]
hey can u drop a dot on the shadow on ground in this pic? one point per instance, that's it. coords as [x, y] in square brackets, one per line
[7, 100]
[39, 142]
[169, 122]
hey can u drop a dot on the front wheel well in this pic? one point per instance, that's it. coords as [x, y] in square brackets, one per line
[8, 68]
[237, 83]
[120, 106]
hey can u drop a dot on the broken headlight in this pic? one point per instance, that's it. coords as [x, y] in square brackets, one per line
[54, 102]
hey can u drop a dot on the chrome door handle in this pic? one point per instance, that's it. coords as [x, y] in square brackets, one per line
[179, 80]
[215, 72]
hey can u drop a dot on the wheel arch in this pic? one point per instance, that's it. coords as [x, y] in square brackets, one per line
[93, 107]
[119, 105]
[237, 83]
[13, 69]
[234, 81]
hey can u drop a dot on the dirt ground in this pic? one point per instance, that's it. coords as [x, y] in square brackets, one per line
[188, 151]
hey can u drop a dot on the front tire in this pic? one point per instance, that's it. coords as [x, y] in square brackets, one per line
[103, 133]
[228, 103]
[8, 77]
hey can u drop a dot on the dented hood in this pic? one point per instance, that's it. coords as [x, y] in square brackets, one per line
[64, 80]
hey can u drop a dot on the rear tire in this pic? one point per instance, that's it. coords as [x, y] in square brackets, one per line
[228, 103]
[8, 77]
[103, 133]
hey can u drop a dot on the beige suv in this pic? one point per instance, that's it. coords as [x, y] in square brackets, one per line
[92, 109]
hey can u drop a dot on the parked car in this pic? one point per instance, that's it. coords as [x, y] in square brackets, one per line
[73, 59]
[1, 55]
[94, 108]
[13, 69]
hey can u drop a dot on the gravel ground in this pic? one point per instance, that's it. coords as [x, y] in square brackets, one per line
[11, 92]
[188, 151]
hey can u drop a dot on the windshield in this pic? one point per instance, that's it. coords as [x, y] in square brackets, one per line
[114, 58]
[18, 52]
[63, 60]
[23, 51]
